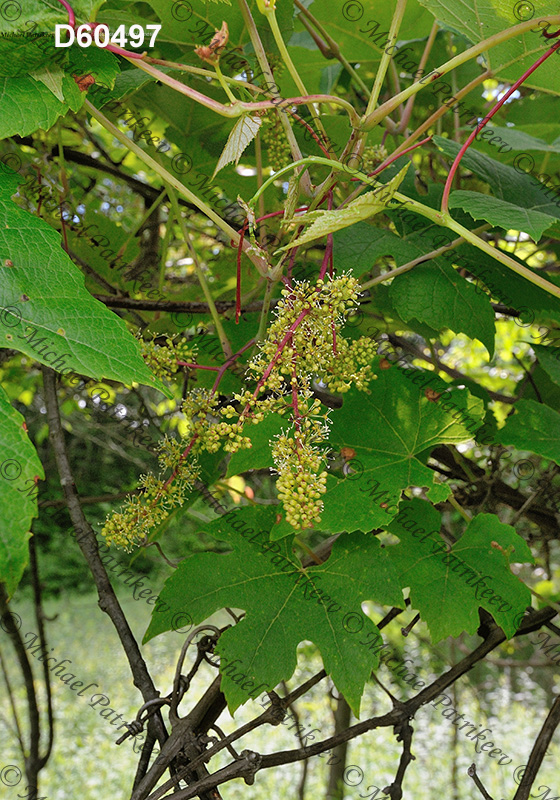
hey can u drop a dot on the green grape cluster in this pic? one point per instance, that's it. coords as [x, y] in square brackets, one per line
[372, 157]
[274, 139]
[162, 359]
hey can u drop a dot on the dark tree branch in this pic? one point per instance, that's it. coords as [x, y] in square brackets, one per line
[145, 190]
[140, 304]
[501, 491]
[88, 544]
[39, 616]
[11, 696]
[31, 761]
[538, 752]
[399, 341]
[404, 734]
[471, 772]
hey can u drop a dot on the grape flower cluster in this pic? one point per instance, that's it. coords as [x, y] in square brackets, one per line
[304, 343]
[300, 351]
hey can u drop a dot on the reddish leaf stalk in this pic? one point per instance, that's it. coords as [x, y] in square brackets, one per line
[70, 10]
[487, 118]
[197, 366]
[389, 161]
[226, 364]
[311, 131]
[381, 167]
[392, 158]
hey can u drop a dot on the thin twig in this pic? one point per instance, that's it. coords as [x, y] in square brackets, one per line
[88, 545]
[471, 772]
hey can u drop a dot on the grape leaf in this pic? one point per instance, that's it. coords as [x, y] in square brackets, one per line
[241, 136]
[51, 77]
[19, 466]
[388, 430]
[436, 294]
[448, 585]
[500, 212]
[520, 138]
[359, 248]
[37, 88]
[480, 19]
[534, 427]
[27, 104]
[510, 184]
[549, 359]
[362, 30]
[268, 582]
[367, 205]
[259, 455]
[45, 13]
[45, 307]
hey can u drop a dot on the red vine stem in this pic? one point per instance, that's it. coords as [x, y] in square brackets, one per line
[392, 158]
[388, 161]
[311, 131]
[70, 10]
[487, 118]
